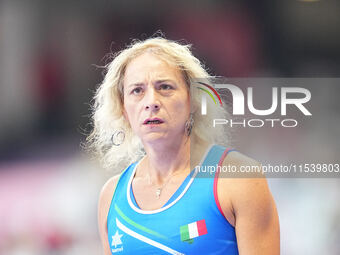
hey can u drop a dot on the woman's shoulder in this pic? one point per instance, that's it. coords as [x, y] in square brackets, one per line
[241, 172]
[111, 184]
[105, 197]
[108, 189]
[239, 187]
[246, 199]
[241, 161]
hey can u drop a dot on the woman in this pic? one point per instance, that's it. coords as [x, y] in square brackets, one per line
[158, 205]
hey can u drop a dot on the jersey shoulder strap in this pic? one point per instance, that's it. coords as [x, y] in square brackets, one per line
[120, 176]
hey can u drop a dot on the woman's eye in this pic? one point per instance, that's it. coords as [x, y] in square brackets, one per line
[136, 91]
[166, 87]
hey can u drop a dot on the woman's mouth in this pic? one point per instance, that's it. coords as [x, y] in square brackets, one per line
[153, 121]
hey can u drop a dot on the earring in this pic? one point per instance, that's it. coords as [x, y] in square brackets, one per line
[118, 137]
[189, 124]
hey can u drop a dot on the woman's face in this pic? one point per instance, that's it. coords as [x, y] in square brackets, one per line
[155, 90]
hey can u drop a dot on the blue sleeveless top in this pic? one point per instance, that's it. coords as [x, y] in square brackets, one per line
[191, 222]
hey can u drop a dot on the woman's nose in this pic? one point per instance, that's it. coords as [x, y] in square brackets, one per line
[153, 107]
[151, 100]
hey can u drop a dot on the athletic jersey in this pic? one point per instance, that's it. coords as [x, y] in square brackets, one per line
[191, 222]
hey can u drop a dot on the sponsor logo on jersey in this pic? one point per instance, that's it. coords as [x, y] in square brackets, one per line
[116, 241]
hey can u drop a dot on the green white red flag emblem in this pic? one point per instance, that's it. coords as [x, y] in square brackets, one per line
[192, 230]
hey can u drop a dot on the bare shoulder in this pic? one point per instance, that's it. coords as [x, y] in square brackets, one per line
[107, 190]
[105, 198]
[241, 162]
[240, 190]
[249, 204]
[240, 172]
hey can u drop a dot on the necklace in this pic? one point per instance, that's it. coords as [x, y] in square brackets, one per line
[159, 189]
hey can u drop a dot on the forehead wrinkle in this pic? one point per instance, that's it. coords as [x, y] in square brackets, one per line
[141, 74]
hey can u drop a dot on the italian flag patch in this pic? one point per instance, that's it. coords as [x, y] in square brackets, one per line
[192, 230]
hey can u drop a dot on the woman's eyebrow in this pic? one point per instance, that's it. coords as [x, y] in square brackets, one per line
[165, 80]
[156, 83]
[135, 84]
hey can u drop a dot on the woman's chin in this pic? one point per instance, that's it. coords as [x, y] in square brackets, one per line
[154, 137]
[161, 138]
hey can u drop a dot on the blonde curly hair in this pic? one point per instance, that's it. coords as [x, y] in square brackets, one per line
[107, 110]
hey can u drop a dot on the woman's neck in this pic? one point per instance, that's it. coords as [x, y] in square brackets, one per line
[176, 158]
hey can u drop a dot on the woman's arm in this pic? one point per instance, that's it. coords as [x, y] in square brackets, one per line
[105, 198]
[252, 207]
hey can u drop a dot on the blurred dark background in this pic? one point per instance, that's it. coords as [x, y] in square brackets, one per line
[50, 53]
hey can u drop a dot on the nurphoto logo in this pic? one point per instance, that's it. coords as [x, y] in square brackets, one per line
[294, 97]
